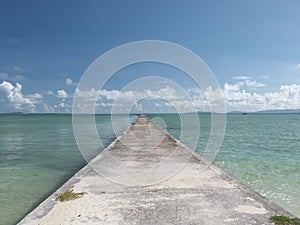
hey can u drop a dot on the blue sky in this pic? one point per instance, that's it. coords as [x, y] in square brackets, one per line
[251, 46]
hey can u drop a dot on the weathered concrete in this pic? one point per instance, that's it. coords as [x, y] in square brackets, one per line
[196, 194]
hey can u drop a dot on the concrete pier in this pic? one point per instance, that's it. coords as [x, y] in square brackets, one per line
[148, 177]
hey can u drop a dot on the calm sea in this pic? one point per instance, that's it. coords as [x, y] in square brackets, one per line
[38, 153]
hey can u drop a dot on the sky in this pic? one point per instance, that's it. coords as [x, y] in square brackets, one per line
[252, 47]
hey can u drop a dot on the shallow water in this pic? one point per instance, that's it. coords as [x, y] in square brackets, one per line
[38, 153]
[261, 150]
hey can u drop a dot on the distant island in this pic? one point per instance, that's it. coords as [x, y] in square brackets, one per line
[278, 111]
[18, 113]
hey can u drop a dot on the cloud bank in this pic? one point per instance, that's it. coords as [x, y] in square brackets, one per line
[243, 95]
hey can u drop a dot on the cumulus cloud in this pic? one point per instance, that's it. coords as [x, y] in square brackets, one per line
[48, 108]
[114, 94]
[88, 95]
[238, 96]
[169, 93]
[238, 99]
[70, 82]
[232, 87]
[62, 105]
[253, 83]
[163, 93]
[62, 94]
[15, 96]
[122, 100]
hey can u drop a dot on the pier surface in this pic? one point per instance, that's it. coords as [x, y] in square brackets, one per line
[149, 177]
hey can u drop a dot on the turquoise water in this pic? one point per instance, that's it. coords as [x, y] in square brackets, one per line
[261, 150]
[38, 153]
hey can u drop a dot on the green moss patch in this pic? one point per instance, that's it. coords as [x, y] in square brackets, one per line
[284, 220]
[153, 190]
[69, 195]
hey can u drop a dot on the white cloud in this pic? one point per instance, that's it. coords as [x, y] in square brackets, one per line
[297, 66]
[239, 96]
[287, 97]
[232, 87]
[62, 94]
[50, 92]
[48, 108]
[167, 92]
[247, 81]
[16, 98]
[102, 104]
[87, 95]
[6, 76]
[253, 83]
[138, 106]
[35, 96]
[121, 100]
[114, 94]
[239, 85]
[69, 82]
[17, 68]
[62, 105]
[241, 78]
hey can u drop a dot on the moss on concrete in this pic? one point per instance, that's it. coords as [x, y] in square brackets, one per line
[69, 195]
[284, 220]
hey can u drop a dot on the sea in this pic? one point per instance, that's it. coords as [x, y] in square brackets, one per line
[38, 153]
